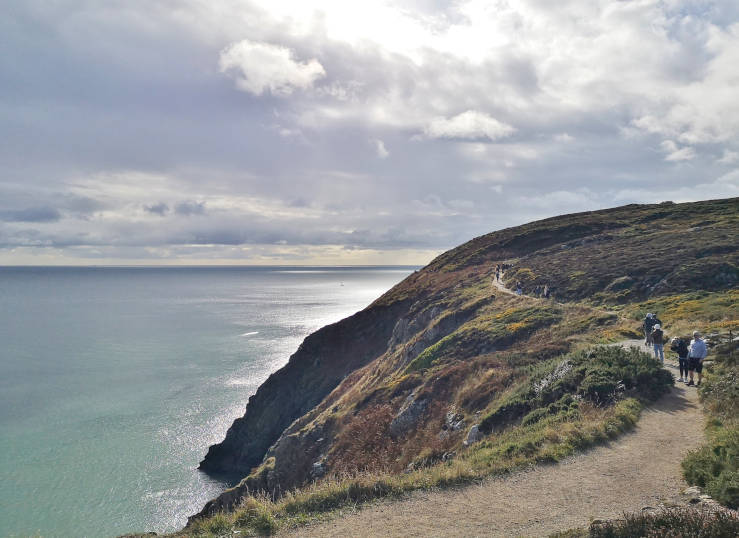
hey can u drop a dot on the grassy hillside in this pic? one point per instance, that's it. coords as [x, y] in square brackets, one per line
[450, 351]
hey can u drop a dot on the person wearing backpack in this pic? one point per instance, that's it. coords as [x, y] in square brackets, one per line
[657, 338]
[696, 354]
[680, 346]
[648, 325]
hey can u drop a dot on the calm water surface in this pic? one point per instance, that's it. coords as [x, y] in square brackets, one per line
[114, 381]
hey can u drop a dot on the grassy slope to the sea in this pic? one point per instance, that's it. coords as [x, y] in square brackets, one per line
[381, 403]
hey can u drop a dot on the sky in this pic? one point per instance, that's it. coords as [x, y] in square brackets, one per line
[358, 133]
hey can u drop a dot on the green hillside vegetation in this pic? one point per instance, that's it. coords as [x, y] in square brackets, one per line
[533, 374]
[715, 466]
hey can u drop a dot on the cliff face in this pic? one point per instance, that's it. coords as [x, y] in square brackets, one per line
[315, 369]
[402, 382]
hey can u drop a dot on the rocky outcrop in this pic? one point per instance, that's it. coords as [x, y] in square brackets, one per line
[409, 415]
[315, 369]
[474, 435]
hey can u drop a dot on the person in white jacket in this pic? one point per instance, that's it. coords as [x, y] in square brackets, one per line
[696, 354]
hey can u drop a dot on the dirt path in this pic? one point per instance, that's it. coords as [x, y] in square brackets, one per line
[640, 469]
[499, 285]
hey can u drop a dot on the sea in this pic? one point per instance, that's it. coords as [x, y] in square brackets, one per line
[115, 380]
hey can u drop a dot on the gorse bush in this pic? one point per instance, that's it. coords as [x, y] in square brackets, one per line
[601, 375]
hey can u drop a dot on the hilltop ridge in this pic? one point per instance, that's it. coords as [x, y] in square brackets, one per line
[399, 385]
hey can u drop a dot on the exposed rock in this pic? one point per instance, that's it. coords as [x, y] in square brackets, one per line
[692, 490]
[473, 436]
[453, 421]
[319, 469]
[408, 416]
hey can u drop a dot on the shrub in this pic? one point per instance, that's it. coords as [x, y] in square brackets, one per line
[601, 375]
[715, 466]
[678, 523]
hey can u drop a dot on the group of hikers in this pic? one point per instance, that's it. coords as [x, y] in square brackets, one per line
[543, 291]
[500, 269]
[690, 355]
[539, 291]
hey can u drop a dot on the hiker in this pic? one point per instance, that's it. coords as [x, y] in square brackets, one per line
[497, 273]
[696, 354]
[658, 343]
[648, 326]
[519, 289]
[680, 346]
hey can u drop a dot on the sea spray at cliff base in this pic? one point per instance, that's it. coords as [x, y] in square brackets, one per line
[114, 381]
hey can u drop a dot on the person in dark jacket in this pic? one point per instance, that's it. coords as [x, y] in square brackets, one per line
[658, 343]
[648, 326]
[680, 346]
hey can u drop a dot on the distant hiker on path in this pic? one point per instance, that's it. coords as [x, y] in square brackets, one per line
[519, 288]
[657, 338]
[546, 291]
[696, 354]
[680, 346]
[649, 322]
[497, 273]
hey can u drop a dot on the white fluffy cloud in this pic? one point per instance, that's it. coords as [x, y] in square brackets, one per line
[262, 67]
[468, 125]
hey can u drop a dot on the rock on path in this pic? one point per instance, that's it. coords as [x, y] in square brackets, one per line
[640, 469]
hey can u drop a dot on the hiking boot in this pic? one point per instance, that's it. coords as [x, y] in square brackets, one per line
[690, 383]
[680, 380]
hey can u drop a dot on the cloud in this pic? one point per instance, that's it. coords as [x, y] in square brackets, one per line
[160, 209]
[263, 67]
[380, 148]
[31, 214]
[190, 208]
[729, 157]
[675, 153]
[470, 125]
[273, 127]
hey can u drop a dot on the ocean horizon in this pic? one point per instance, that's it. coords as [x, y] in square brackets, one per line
[114, 380]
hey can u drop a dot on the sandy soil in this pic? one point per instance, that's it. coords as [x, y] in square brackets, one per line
[640, 469]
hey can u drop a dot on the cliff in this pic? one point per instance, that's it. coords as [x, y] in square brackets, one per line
[400, 384]
[320, 363]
